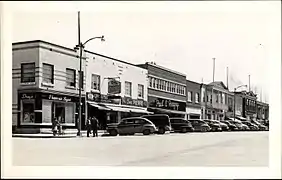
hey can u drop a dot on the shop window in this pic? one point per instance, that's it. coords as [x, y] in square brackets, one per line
[69, 113]
[28, 111]
[70, 77]
[140, 91]
[189, 97]
[48, 73]
[46, 111]
[28, 72]
[127, 88]
[95, 82]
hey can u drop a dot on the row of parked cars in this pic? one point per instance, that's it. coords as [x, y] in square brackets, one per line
[161, 123]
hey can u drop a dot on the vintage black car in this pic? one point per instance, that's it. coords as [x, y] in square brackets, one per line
[181, 125]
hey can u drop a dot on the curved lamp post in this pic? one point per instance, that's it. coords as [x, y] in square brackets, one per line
[80, 46]
[235, 99]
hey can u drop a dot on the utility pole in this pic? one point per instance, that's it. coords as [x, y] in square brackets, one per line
[213, 69]
[80, 80]
[249, 83]
[227, 77]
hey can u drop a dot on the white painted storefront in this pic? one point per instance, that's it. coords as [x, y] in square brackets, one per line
[193, 113]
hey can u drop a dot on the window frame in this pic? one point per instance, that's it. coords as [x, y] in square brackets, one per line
[52, 73]
[142, 92]
[98, 82]
[22, 73]
[189, 99]
[74, 77]
[125, 88]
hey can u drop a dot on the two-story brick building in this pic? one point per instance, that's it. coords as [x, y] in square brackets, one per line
[249, 104]
[166, 90]
[193, 105]
[262, 111]
[45, 86]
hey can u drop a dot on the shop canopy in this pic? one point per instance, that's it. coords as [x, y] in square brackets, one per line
[127, 109]
[99, 106]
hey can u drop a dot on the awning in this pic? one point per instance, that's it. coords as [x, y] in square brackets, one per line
[99, 107]
[169, 111]
[128, 109]
[241, 118]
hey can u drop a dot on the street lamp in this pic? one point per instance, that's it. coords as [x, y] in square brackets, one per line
[235, 99]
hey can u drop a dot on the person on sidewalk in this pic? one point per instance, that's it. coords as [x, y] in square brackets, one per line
[55, 123]
[95, 124]
[88, 126]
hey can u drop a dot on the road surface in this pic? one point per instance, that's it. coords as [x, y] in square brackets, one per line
[174, 149]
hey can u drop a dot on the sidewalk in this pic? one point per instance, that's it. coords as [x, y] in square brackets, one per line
[50, 135]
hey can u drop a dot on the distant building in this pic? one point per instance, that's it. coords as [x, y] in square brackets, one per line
[193, 105]
[214, 100]
[166, 90]
[249, 100]
[262, 111]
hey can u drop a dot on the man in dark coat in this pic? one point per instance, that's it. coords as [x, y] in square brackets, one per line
[88, 126]
[95, 124]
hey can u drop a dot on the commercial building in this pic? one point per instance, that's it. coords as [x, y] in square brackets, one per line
[114, 89]
[249, 104]
[193, 105]
[166, 90]
[45, 86]
[262, 111]
[214, 100]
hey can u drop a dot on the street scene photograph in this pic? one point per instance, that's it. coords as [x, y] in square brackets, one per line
[145, 88]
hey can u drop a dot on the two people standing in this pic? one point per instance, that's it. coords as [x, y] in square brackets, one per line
[92, 124]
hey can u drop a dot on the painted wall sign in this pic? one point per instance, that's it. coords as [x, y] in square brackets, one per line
[134, 102]
[114, 86]
[27, 96]
[166, 104]
[97, 97]
[93, 96]
[57, 97]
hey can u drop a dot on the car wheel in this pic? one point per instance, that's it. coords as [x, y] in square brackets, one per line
[113, 132]
[184, 130]
[161, 131]
[204, 129]
[146, 132]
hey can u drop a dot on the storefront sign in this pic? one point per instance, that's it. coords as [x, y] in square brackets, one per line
[60, 98]
[134, 102]
[167, 104]
[114, 86]
[91, 96]
[27, 96]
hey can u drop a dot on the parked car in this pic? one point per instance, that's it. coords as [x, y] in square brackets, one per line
[181, 125]
[224, 127]
[261, 127]
[231, 126]
[130, 126]
[213, 124]
[252, 126]
[243, 126]
[161, 121]
[200, 125]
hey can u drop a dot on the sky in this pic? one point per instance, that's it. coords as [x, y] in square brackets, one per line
[183, 36]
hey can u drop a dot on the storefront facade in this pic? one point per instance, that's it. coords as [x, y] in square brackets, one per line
[114, 89]
[166, 91]
[45, 86]
[193, 105]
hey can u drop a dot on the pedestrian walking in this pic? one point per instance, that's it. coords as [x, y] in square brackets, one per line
[55, 123]
[95, 124]
[88, 126]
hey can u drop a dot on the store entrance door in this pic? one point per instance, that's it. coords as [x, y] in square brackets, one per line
[60, 112]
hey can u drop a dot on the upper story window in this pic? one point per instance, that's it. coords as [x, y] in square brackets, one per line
[95, 82]
[150, 82]
[27, 72]
[153, 82]
[197, 98]
[70, 78]
[189, 98]
[216, 97]
[223, 98]
[127, 88]
[140, 91]
[48, 73]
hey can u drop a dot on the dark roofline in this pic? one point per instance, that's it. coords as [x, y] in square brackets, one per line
[112, 58]
[194, 82]
[45, 42]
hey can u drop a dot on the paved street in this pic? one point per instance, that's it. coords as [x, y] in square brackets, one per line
[191, 149]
